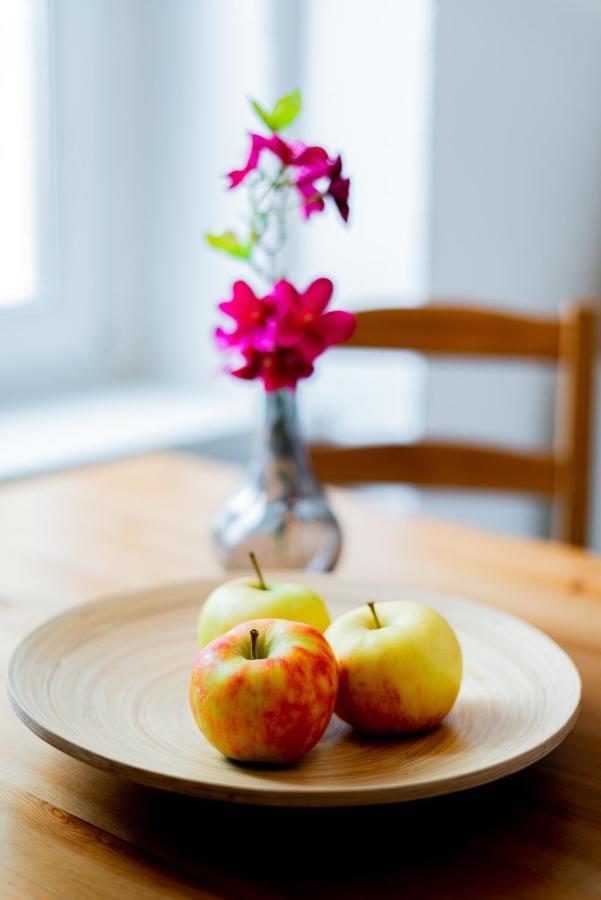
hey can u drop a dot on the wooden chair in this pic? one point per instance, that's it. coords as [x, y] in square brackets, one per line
[562, 474]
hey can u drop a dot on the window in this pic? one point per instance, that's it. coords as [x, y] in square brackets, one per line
[27, 211]
[18, 270]
[129, 113]
[69, 166]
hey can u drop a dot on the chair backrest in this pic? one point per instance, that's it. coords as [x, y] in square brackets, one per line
[562, 473]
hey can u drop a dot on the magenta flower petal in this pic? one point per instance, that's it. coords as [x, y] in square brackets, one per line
[301, 323]
[285, 297]
[312, 165]
[258, 143]
[288, 308]
[284, 368]
[250, 369]
[311, 199]
[283, 150]
[287, 334]
[336, 168]
[279, 336]
[310, 345]
[244, 307]
[310, 156]
[264, 337]
[316, 297]
[334, 327]
[339, 192]
[241, 293]
[317, 169]
[311, 174]
[224, 339]
[255, 323]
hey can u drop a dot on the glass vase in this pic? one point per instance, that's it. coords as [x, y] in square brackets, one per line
[280, 512]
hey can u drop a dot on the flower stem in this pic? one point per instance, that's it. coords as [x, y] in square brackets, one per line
[254, 634]
[372, 606]
[268, 211]
[257, 569]
[260, 271]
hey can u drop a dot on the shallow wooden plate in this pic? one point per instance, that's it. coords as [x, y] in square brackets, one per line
[108, 683]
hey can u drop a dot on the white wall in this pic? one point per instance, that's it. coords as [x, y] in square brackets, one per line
[366, 94]
[201, 62]
[515, 206]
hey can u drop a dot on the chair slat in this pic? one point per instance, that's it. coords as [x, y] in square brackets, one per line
[574, 422]
[440, 464]
[458, 330]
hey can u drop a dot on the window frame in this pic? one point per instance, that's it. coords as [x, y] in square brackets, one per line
[67, 335]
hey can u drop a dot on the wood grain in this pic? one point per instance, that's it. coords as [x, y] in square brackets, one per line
[108, 683]
[43, 833]
[574, 421]
[140, 522]
[451, 329]
[438, 463]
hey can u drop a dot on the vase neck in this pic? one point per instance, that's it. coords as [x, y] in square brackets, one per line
[279, 446]
[280, 512]
[281, 434]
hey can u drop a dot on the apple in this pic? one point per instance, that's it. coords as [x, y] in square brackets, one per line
[399, 664]
[253, 598]
[265, 691]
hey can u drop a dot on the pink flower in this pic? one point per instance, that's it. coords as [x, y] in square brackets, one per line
[255, 324]
[279, 336]
[338, 187]
[282, 368]
[311, 199]
[301, 321]
[312, 164]
[258, 143]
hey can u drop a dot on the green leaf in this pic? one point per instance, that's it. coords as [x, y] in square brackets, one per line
[229, 243]
[283, 113]
[261, 113]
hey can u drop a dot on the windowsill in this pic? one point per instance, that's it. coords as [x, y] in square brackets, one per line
[115, 421]
[123, 419]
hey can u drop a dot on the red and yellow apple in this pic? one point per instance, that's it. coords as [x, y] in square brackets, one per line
[265, 691]
[255, 598]
[400, 667]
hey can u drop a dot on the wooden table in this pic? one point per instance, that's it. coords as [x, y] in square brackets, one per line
[68, 830]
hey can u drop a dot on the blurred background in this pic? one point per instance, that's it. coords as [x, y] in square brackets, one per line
[471, 132]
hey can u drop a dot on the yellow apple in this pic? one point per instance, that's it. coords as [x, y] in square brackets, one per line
[400, 667]
[254, 598]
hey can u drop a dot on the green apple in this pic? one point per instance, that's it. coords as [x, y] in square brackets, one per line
[253, 598]
[400, 667]
[265, 691]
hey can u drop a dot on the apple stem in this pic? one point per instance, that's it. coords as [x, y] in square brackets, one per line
[372, 606]
[257, 569]
[254, 634]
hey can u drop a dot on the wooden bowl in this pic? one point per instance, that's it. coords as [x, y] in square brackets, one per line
[108, 683]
